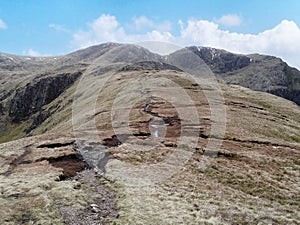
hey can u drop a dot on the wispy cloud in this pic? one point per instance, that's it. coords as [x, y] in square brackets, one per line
[142, 22]
[3, 24]
[58, 27]
[230, 20]
[31, 52]
[281, 40]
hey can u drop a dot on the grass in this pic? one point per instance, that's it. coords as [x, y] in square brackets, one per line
[15, 132]
[295, 138]
[255, 187]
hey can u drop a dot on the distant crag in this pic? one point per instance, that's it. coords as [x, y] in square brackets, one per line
[257, 72]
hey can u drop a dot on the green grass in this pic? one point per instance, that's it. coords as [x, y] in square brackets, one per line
[295, 138]
[250, 185]
[15, 132]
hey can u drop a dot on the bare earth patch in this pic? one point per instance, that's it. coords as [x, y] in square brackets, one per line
[45, 181]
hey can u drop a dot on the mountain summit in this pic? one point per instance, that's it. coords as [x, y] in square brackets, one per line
[116, 134]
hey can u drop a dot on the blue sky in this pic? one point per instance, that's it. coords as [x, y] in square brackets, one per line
[34, 27]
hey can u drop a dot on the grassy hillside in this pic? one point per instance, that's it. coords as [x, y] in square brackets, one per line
[130, 142]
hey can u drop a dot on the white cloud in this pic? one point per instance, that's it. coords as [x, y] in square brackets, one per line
[58, 27]
[106, 28]
[230, 20]
[165, 26]
[283, 40]
[180, 23]
[3, 24]
[31, 52]
[142, 22]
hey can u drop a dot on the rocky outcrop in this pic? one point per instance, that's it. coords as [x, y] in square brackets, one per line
[31, 84]
[38, 120]
[157, 170]
[53, 179]
[150, 65]
[292, 92]
[34, 95]
[257, 72]
[221, 61]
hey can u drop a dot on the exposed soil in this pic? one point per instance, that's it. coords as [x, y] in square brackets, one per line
[70, 164]
[252, 179]
[100, 211]
[49, 177]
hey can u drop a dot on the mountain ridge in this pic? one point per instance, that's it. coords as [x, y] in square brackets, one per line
[21, 74]
[116, 135]
[257, 72]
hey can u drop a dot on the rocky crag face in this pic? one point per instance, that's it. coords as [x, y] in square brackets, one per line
[32, 86]
[122, 135]
[257, 72]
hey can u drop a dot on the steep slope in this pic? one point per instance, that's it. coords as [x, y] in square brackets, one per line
[252, 179]
[35, 88]
[28, 96]
[129, 137]
[257, 72]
